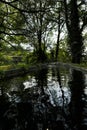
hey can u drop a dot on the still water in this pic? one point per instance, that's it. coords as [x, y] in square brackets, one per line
[48, 98]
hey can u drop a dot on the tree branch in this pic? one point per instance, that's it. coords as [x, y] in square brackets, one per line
[84, 23]
[66, 15]
[9, 43]
[21, 10]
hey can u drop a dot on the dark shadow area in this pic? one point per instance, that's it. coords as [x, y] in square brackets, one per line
[78, 101]
[40, 101]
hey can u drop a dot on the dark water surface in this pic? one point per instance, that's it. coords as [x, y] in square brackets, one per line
[48, 98]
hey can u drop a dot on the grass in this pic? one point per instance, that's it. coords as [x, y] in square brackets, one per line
[14, 66]
[82, 65]
[5, 67]
[24, 65]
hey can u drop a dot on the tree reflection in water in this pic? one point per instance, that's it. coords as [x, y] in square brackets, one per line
[43, 102]
[77, 104]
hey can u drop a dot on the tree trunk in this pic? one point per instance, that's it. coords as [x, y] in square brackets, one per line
[58, 38]
[40, 36]
[75, 36]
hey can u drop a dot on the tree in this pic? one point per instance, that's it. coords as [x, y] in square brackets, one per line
[73, 21]
[59, 29]
[33, 21]
[9, 24]
[39, 24]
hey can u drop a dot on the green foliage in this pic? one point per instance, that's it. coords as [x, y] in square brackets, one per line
[5, 59]
[34, 23]
[64, 56]
[5, 67]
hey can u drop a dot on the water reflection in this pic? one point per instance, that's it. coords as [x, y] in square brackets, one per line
[77, 103]
[50, 98]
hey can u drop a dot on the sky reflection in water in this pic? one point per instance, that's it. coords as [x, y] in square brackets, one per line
[50, 98]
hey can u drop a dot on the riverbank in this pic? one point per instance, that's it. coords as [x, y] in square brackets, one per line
[23, 70]
[78, 67]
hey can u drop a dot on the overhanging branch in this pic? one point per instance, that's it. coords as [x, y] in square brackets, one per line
[9, 43]
[21, 10]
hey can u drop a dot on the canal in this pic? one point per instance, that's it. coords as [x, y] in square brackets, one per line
[49, 98]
